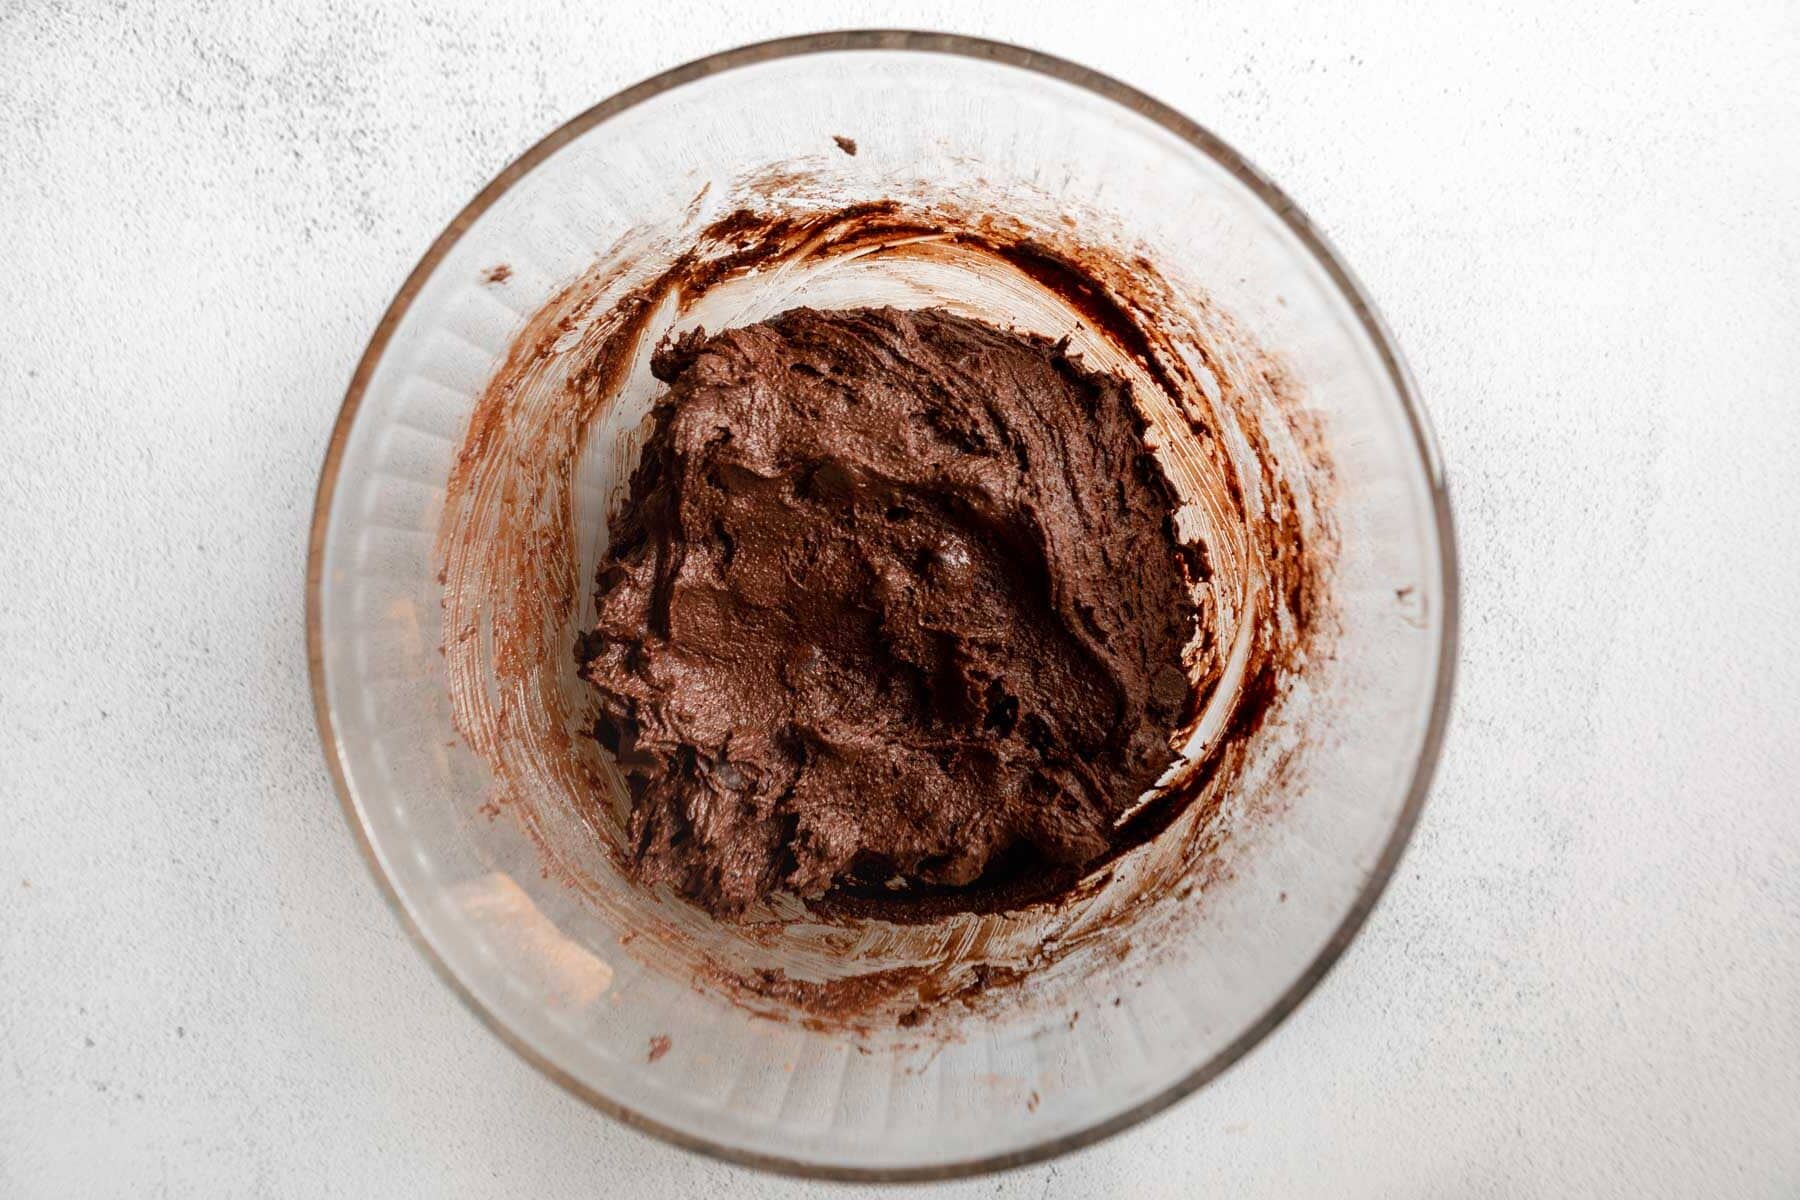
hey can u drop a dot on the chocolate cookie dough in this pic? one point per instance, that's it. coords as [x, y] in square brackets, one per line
[895, 601]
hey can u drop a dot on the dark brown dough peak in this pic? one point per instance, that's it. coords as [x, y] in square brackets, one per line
[895, 598]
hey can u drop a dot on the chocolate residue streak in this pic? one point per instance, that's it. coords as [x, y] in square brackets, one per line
[847, 145]
[844, 999]
[520, 536]
[1067, 278]
[659, 1046]
[497, 274]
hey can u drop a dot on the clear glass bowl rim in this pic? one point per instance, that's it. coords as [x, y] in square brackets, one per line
[1143, 106]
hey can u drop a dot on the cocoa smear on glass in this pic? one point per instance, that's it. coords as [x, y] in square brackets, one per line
[510, 549]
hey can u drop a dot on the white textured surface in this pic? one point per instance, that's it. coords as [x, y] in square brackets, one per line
[1585, 230]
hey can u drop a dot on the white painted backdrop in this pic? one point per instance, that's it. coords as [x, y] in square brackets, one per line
[1582, 222]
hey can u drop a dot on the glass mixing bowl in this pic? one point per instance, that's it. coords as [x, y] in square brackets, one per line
[1297, 854]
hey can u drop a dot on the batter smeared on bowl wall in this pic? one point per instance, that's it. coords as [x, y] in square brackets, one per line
[1197, 426]
[895, 602]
